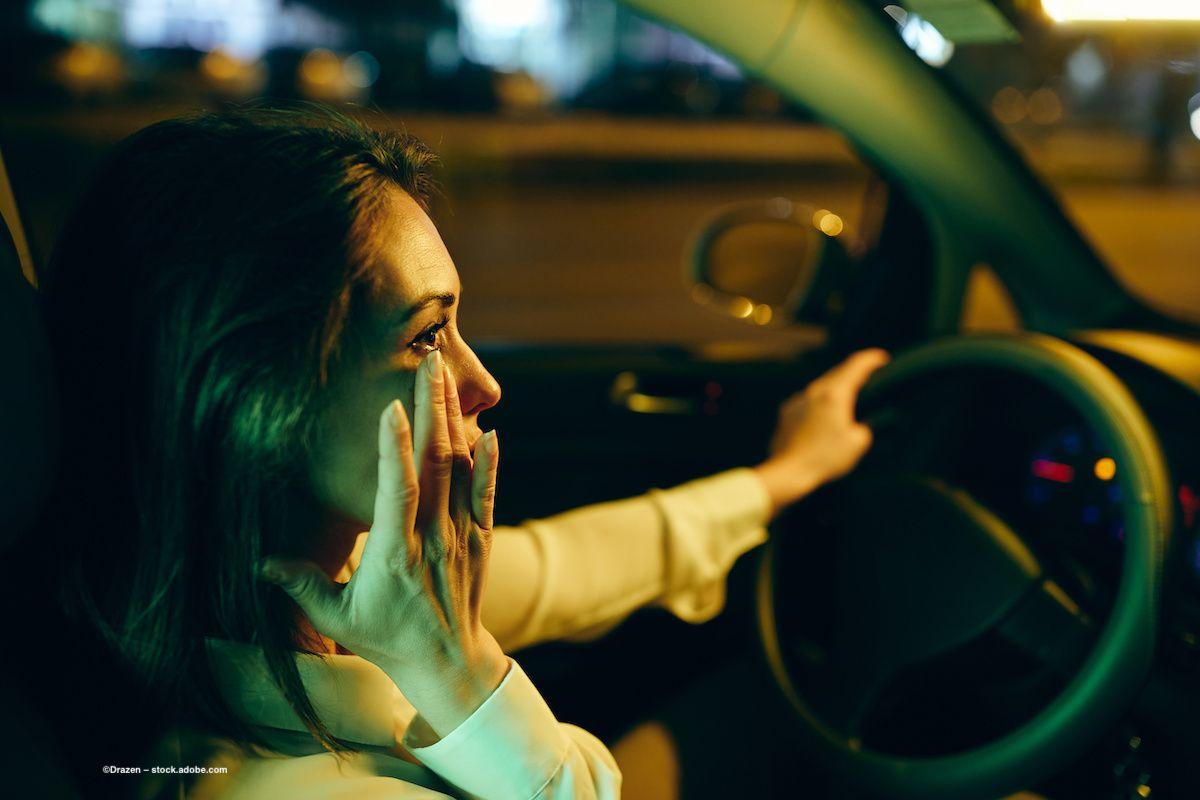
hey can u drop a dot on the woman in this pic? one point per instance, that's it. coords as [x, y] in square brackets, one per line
[254, 327]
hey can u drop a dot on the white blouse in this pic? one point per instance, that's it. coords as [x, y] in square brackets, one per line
[571, 576]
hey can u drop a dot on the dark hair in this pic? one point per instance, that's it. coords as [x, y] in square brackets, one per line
[196, 303]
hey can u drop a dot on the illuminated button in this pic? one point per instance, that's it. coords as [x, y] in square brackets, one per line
[1049, 470]
[1105, 469]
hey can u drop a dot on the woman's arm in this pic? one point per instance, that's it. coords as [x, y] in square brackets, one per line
[576, 575]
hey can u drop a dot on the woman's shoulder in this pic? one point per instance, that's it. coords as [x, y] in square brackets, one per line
[211, 768]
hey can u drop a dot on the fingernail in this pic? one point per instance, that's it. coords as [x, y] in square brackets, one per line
[396, 415]
[434, 362]
[490, 444]
[269, 570]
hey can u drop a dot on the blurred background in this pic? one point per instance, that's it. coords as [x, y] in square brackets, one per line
[583, 145]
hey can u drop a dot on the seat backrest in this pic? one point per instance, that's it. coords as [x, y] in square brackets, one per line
[29, 742]
[28, 409]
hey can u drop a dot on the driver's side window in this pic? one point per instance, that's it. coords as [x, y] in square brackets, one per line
[573, 212]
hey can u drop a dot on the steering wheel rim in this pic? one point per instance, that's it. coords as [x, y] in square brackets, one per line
[1120, 658]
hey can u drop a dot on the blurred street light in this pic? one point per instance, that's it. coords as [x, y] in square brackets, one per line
[1086, 68]
[360, 69]
[1069, 11]
[85, 68]
[1009, 105]
[1045, 107]
[233, 76]
[326, 76]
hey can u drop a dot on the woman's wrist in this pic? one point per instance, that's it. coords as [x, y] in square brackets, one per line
[446, 696]
[786, 481]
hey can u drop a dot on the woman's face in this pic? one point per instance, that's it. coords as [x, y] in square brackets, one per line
[412, 313]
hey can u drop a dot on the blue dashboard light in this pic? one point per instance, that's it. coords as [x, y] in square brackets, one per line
[1072, 486]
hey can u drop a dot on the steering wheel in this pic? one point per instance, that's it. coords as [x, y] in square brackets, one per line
[961, 573]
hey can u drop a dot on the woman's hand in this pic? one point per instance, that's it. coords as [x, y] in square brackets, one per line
[413, 605]
[818, 439]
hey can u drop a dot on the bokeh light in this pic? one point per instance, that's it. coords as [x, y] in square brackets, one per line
[1009, 105]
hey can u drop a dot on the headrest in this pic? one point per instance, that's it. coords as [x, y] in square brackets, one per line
[28, 410]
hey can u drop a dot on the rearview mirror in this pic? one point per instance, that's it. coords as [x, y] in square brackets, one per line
[771, 261]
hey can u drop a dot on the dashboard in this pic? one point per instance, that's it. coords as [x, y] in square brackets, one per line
[1034, 462]
[1164, 376]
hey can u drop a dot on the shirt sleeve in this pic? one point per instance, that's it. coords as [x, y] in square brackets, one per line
[578, 574]
[512, 748]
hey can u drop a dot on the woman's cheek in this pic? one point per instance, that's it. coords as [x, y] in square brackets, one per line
[344, 460]
[365, 456]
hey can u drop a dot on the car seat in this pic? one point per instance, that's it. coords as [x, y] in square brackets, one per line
[28, 444]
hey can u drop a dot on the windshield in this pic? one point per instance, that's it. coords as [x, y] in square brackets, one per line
[1108, 115]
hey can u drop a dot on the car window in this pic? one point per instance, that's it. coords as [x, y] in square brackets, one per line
[592, 223]
[582, 144]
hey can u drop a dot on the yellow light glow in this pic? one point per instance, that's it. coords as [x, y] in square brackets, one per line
[1045, 108]
[87, 67]
[221, 66]
[320, 67]
[1009, 105]
[82, 60]
[1067, 11]
[831, 224]
[1105, 469]
[762, 314]
[741, 308]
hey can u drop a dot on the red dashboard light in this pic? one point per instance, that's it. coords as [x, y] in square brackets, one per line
[1053, 471]
[1190, 501]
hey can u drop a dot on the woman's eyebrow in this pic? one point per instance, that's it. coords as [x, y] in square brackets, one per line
[445, 299]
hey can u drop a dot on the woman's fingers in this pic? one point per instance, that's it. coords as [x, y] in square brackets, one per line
[483, 480]
[460, 491]
[434, 454]
[853, 373]
[396, 496]
[318, 596]
[422, 418]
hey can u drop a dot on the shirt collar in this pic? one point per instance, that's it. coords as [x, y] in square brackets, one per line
[352, 696]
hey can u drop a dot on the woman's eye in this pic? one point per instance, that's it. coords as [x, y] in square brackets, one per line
[429, 340]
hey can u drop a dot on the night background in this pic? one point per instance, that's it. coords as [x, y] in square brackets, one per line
[582, 144]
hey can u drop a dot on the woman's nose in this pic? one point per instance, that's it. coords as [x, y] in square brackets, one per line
[477, 389]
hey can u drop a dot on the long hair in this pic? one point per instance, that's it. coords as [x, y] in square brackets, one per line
[197, 302]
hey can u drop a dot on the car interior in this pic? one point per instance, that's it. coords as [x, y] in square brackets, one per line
[1004, 597]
